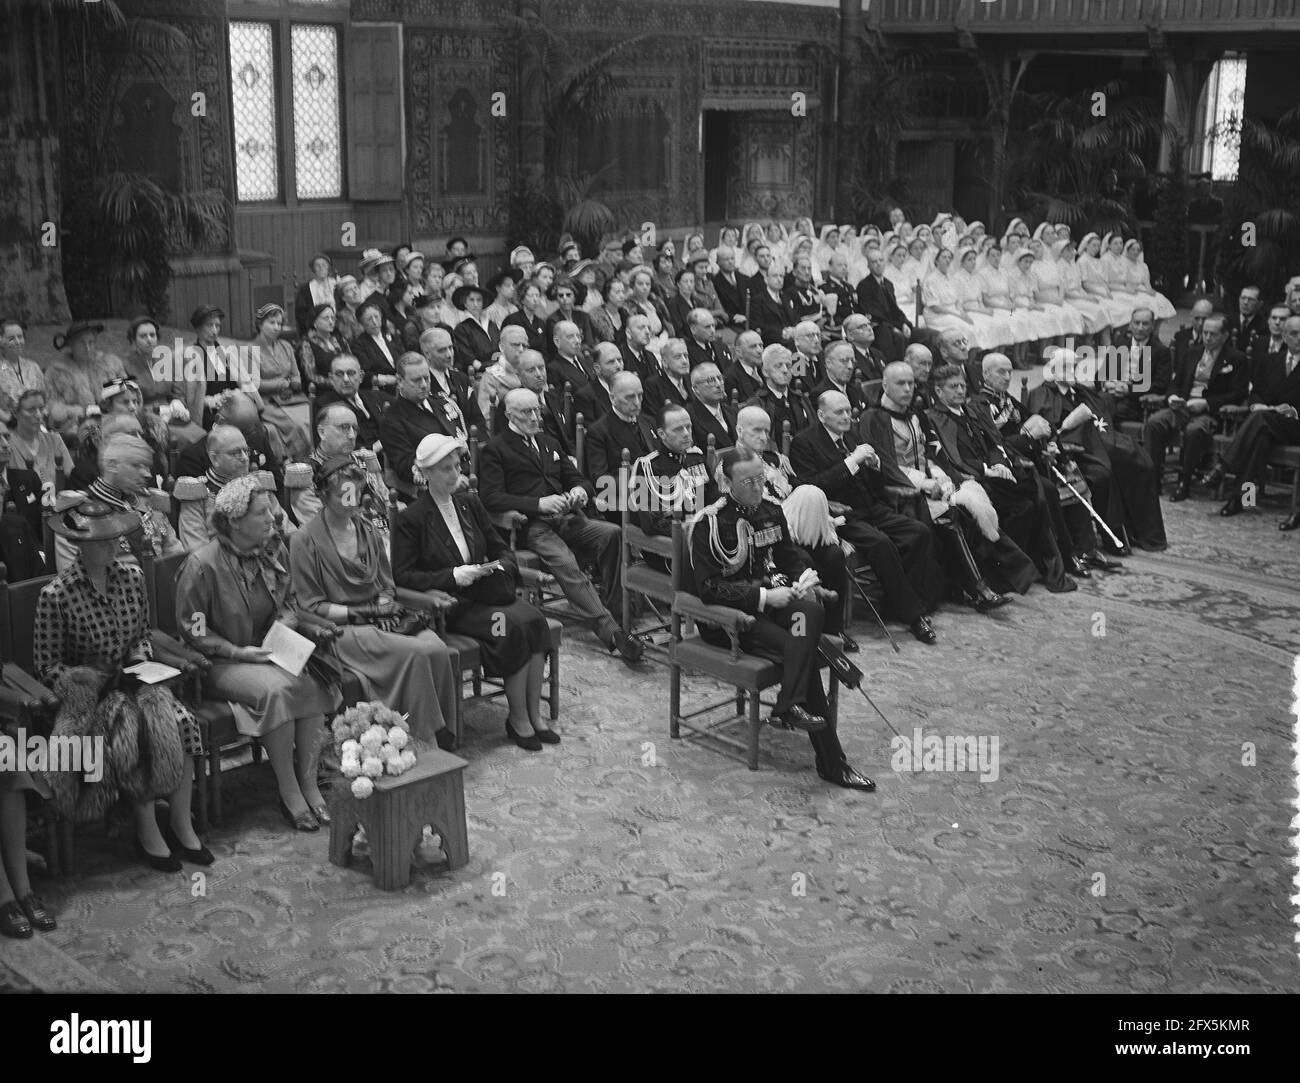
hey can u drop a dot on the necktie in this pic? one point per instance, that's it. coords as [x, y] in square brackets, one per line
[424, 405]
[1291, 361]
[361, 408]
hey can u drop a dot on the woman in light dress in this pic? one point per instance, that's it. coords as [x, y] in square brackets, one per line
[1137, 276]
[1095, 319]
[992, 328]
[1020, 283]
[1049, 292]
[1092, 276]
[997, 296]
[1115, 268]
[897, 271]
[943, 307]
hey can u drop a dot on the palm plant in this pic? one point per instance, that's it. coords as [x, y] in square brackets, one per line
[1266, 195]
[121, 224]
[578, 93]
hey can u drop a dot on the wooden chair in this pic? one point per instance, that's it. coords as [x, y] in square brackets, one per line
[639, 576]
[1285, 458]
[750, 675]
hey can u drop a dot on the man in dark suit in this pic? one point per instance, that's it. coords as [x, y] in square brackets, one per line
[806, 361]
[1188, 339]
[638, 358]
[758, 280]
[568, 366]
[876, 300]
[624, 428]
[1250, 322]
[524, 470]
[800, 292]
[770, 313]
[838, 363]
[711, 414]
[241, 411]
[447, 384]
[1143, 366]
[1274, 419]
[592, 401]
[868, 361]
[744, 378]
[702, 340]
[1271, 341]
[900, 550]
[732, 289]
[1202, 386]
[345, 387]
[414, 414]
[566, 294]
[836, 284]
[777, 399]
[532, 375]
[671, 384]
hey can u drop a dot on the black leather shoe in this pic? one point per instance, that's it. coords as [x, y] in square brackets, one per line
[170, 863]
[847, 777]
[923, 630]
[848, 644]
[1096, 559]
[201, 856]
[303, 821]
[528, 744]
[1291, 522]
[36, 913]
[322, 815]
[630, 647]
[13, 922]
[445, 738]
[1153, 547]
[1232, 506]
[1181, 493]
[1078, 568]
[1064, 586]
[547, 736]
[986, 599]
[797, 718]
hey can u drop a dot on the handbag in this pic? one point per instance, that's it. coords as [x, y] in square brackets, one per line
[404, 622]
[495, 589]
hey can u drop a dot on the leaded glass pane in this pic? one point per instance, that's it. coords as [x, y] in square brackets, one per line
[317, 154]
[1228, 106]
[252, 95]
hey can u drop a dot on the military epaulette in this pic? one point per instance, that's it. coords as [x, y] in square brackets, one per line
[187, 489]
[159, 500]
[265, 480]
[297, 476]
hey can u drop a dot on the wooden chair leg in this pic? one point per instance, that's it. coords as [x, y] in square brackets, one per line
[674, 698]
[214, 778]
[555, 685]
[200, 803]
[754, 725]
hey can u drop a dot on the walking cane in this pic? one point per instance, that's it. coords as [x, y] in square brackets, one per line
[849, 674]
[875, 613]
[1091, 510]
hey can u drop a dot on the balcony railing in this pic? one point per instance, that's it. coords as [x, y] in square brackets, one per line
[1085, 16]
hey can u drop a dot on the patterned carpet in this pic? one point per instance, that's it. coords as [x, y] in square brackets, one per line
[1122, 847]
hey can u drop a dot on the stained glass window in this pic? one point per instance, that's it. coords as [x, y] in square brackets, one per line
[252, 93]
[1225, 101]
[317, 155]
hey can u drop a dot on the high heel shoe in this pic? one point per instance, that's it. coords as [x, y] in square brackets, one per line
[201, 856]
[531, 743]
[170, 863]
[303, 821]
[547, 736]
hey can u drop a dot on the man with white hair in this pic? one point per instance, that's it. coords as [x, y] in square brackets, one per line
[638, 358]
[592, 401]
[777, 398]
[827, 454]
[711, 414]
[806, 363]
[921, 361]
[732, 289]
[623, 428]
[670, 385]
[336, 434]
[754, 431]
[954, 349]
[876, 300]
[744, 379]
[532, 375]
[568, 366]
[836, 283]
[867, 357]
[840, 376]
[503, 374]
[523, 470]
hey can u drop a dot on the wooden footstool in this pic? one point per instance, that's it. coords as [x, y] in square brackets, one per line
[432, 792]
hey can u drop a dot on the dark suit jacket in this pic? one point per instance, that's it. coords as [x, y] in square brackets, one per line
[592, 402]
[512, 478]
[424, 553]
[658, 388]
[733, 298]
[373, 361]
[857, 399]
[375, 404]
[474, 344]
[819, 462]
[1239, 334]
[645, 367]
[736, 380]
[679, 309]
[871, 364]
[24, 500]
[405, 424]
[1228, 381]
[608, 437]
[1270, 384]
[793, 409]
[703, 423]
[1260, 350]
[877, 300]
[553, 423]
[537, 332]
[579, 318]
[847, 299]
[769, 317]
[714, 351]
[1162, 365]
[802, 303]
[1183, 341]
[561, 371]
[194, 461]
[1050, 402]
[968, 446]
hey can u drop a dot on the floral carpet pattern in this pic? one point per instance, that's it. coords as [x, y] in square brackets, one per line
[1128, 842]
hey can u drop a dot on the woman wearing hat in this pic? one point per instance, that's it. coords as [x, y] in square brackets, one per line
[279, 383]
[341, 573]
[1113, 265]
[1020, 285]
[1137, 279]
[17, 373]
[943, 309]
[504, 288]
[74, 380]
[35, 447]
[476, 336]
[317, 290]
[445, 541]
[321, 345]
[221, 373]
[92, 621]
[531, 316]
[229, 594]
[1092, 275]
[378, 270]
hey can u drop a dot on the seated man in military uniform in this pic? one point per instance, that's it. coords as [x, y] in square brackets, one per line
[672, 479]
[742, 557]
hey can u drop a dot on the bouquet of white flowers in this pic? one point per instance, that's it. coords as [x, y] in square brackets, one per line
[372, 740]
